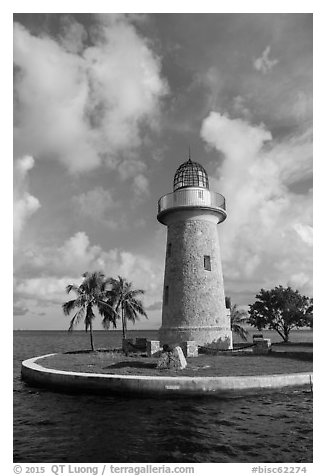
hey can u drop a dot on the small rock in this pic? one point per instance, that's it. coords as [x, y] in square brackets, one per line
[164, 361]
[172, 359]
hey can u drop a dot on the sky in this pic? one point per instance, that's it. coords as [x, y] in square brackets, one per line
[105, 108]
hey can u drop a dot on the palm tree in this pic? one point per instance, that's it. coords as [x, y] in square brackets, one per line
[125, 303]
[92, 292]
[238, 318]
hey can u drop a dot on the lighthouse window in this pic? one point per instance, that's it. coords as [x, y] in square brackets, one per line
[207, 262]
[169, 250]
[166, 294]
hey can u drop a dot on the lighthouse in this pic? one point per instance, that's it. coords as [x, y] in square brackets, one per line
[193, 291]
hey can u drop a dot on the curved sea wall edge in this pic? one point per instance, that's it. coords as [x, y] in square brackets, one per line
[36, 374]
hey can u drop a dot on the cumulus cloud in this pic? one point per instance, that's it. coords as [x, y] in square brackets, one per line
[305, 232]
[25, 204]
[45, 288]
[264, 64]
[266, 239]
[73, 258]
[50, 270]
[85, 105]
[73, 35]
[236, 138]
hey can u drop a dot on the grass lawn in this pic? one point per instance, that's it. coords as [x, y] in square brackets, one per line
[222, 364]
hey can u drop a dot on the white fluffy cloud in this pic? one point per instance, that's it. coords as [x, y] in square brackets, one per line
[305, 232]
[85, 105]
[54, 268]
[25, 204]
[46, 288]
[266, 239]
[264, 63]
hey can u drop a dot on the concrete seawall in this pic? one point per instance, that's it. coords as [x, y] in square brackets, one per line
[34, 373]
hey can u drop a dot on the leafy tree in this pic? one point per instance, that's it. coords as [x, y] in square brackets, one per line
[281, 309]
[310, 314]
[92, 292]
[123, 299]
[238, 318]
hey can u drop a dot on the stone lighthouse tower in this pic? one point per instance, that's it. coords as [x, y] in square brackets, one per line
[193, 294]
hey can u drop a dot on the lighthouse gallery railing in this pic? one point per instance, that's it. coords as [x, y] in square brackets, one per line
[191, 197]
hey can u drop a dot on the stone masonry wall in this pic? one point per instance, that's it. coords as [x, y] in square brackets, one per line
[195, 296]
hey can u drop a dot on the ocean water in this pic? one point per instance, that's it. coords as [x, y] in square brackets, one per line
[59, 427]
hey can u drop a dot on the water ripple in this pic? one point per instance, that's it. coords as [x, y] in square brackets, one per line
[49, 426]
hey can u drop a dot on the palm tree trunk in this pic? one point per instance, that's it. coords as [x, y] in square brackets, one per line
[91, 335]
[123, 318]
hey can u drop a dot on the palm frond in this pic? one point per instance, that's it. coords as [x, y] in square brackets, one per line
[76, 319]
[134, 308]
[106, 307]
[240, 331]
[68, 306]
[132, 293]
[107, 321]
[139, 307]
[129, 312]
[72, 287]
[238, 319]
[112, 303]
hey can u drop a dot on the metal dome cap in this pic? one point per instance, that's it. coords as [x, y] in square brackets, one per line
[190, 174]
